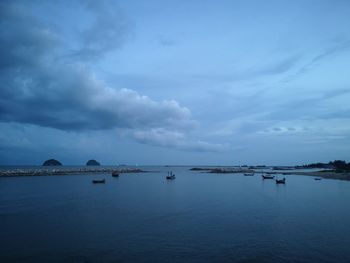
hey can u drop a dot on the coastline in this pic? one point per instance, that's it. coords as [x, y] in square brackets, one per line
[46, 171]
[326, 174]
[15, 172]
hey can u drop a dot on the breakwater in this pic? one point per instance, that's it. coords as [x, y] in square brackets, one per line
[225, 170]
[63, 171]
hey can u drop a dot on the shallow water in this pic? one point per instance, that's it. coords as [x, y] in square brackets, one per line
[198, 217]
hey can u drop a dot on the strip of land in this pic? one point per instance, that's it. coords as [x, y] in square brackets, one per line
[226, 170]
[327, 174]
[64, 171]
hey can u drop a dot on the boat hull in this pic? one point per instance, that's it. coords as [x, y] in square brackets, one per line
[282, 181]
[268, 176]
[99, 181]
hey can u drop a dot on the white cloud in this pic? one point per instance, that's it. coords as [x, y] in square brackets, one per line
[167, 138]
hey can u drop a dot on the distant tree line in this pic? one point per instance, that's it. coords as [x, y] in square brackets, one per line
[338, 165]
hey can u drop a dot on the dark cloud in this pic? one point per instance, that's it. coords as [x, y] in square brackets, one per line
[38, 88]
[24, 40]
[108, 31]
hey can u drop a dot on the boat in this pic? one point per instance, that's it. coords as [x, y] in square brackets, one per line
[101, 181]
[281, 181]
[268, 176]
[170, 176]
[318, 179]
[249, 174]
[115, 174]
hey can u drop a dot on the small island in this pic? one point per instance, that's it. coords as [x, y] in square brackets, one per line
[52, 162]
[93, 163]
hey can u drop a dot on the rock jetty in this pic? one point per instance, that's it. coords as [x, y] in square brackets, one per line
[222, 170]
[64, 171]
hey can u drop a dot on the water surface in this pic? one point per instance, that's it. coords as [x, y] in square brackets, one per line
[198, 217]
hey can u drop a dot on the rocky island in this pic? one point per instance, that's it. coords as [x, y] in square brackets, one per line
[93, 163]
[52, 162]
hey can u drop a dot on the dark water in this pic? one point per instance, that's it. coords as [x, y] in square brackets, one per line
[196, 218]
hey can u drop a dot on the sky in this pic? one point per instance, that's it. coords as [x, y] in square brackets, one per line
[174, 82]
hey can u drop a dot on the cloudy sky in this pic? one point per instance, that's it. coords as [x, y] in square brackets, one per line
[174, 82]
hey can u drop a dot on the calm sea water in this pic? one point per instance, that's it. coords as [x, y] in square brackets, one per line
[198, 217]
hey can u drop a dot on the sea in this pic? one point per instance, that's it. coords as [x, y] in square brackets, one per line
[198, 217]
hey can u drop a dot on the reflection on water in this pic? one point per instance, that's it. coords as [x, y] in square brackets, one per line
[198, 217]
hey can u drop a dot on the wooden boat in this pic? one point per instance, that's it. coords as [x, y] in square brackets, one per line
[281, 181]
[249, 174]
[170, 176]
[115, 174]
[268, 176]
[101, 181]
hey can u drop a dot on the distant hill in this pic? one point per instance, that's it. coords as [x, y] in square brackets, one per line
[92, 163]
[52, 162]
[338, 165]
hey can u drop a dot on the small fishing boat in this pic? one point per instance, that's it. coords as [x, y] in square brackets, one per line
[249, 174]
[318, 179]
[170, 176]
[281, 181]
[268, 176]
[115, 174]
[101, 181]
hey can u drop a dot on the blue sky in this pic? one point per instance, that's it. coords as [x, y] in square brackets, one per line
[174, 82]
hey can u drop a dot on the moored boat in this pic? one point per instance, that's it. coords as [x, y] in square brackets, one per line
[170, 176]
[115, 174]
[318, 179]
[101, 181]
[281, 181]
[249, 174]
[268, 176]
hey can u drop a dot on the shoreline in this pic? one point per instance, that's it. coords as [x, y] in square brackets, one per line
[25, 172]
[326, 175]
[64, 171]
[331, 174]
